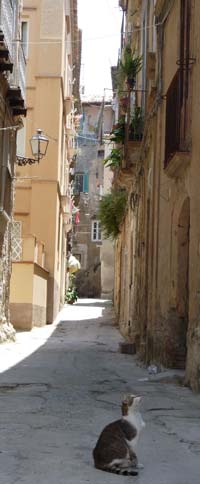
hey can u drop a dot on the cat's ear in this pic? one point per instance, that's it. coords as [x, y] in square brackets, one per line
[124, 406]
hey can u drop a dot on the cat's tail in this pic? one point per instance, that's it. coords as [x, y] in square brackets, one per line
[121, 472]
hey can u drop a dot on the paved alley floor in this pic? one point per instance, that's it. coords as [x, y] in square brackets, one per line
[61, 384]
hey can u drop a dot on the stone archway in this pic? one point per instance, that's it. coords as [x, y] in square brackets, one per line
[182, 291]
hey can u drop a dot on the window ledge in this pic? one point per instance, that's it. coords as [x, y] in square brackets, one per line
[178, 164]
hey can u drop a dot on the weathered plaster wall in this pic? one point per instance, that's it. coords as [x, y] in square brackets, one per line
[7, 331]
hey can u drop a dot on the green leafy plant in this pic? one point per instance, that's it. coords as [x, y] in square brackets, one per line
[112, 209]
[129, 67]
[71, 295]
[114, 159]
[136, 125]
[117, 134]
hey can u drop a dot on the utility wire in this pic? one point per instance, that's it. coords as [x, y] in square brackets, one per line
[52, 42]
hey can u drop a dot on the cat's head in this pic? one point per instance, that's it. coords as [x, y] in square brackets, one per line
[130, 403]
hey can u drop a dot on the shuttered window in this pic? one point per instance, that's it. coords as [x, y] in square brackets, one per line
[184, 47]
[81, 183]
[96, 231]
[85, 183]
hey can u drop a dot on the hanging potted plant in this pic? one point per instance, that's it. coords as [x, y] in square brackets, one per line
[114, 159]
[112, 209]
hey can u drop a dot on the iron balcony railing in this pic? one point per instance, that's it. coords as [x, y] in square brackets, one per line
[9, 27]
[19, 72]
[7, 22]
[173, 118]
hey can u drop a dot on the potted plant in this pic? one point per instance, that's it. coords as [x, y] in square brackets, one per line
[117, 134]
[112, 209]
[123, 102]
[130, 66]
[71, 295]
[136, 125]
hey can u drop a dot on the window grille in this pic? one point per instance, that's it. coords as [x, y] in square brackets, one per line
[16, 241]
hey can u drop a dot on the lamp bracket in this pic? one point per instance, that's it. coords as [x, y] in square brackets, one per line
[22, 161]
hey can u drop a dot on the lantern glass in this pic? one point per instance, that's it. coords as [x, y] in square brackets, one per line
[39, 144]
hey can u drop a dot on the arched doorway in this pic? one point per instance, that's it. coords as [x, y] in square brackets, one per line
[183, 239]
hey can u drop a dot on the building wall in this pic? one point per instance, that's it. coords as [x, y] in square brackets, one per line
[162, 314]
[107, 248]
[12, 72]
[42, 190]
[28, 307]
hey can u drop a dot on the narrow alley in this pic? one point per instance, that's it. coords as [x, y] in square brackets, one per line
[59, 386]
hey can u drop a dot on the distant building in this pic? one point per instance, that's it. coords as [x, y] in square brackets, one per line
[88, 189]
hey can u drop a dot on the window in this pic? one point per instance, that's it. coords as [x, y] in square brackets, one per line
[16, 240]
[81, 183]
[24, 38]
[78, 257]
[101, 154]
[96, 231]
[78, 183]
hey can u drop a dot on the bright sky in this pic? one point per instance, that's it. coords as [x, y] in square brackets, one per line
[100, 22]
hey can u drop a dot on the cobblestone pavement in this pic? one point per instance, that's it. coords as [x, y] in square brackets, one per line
[59, 385]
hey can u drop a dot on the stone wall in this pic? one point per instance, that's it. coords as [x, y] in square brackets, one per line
[7, 332]
[165, 306]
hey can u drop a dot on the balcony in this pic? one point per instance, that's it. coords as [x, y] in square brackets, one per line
[177, 156]
[67, 222]
[132, 152]
[133, 139]
[127, 137]
[28, 249]
[12, 60]
[21, 72]
[28, 288]
[17, 90]
[6, 24]
[68, 104]
[66, 204]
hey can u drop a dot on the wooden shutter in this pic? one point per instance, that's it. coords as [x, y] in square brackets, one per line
[85, 183]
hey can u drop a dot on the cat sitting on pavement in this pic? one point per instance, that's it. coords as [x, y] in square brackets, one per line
[115, 448]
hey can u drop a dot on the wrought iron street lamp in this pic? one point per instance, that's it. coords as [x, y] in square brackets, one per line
[39, 144]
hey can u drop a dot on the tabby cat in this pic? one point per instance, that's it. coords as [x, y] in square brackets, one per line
[114, 451]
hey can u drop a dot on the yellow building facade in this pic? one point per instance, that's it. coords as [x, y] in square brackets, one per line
[12, 110]
[42, 211]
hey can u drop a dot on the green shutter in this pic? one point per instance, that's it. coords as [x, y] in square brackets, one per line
[85, 183]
